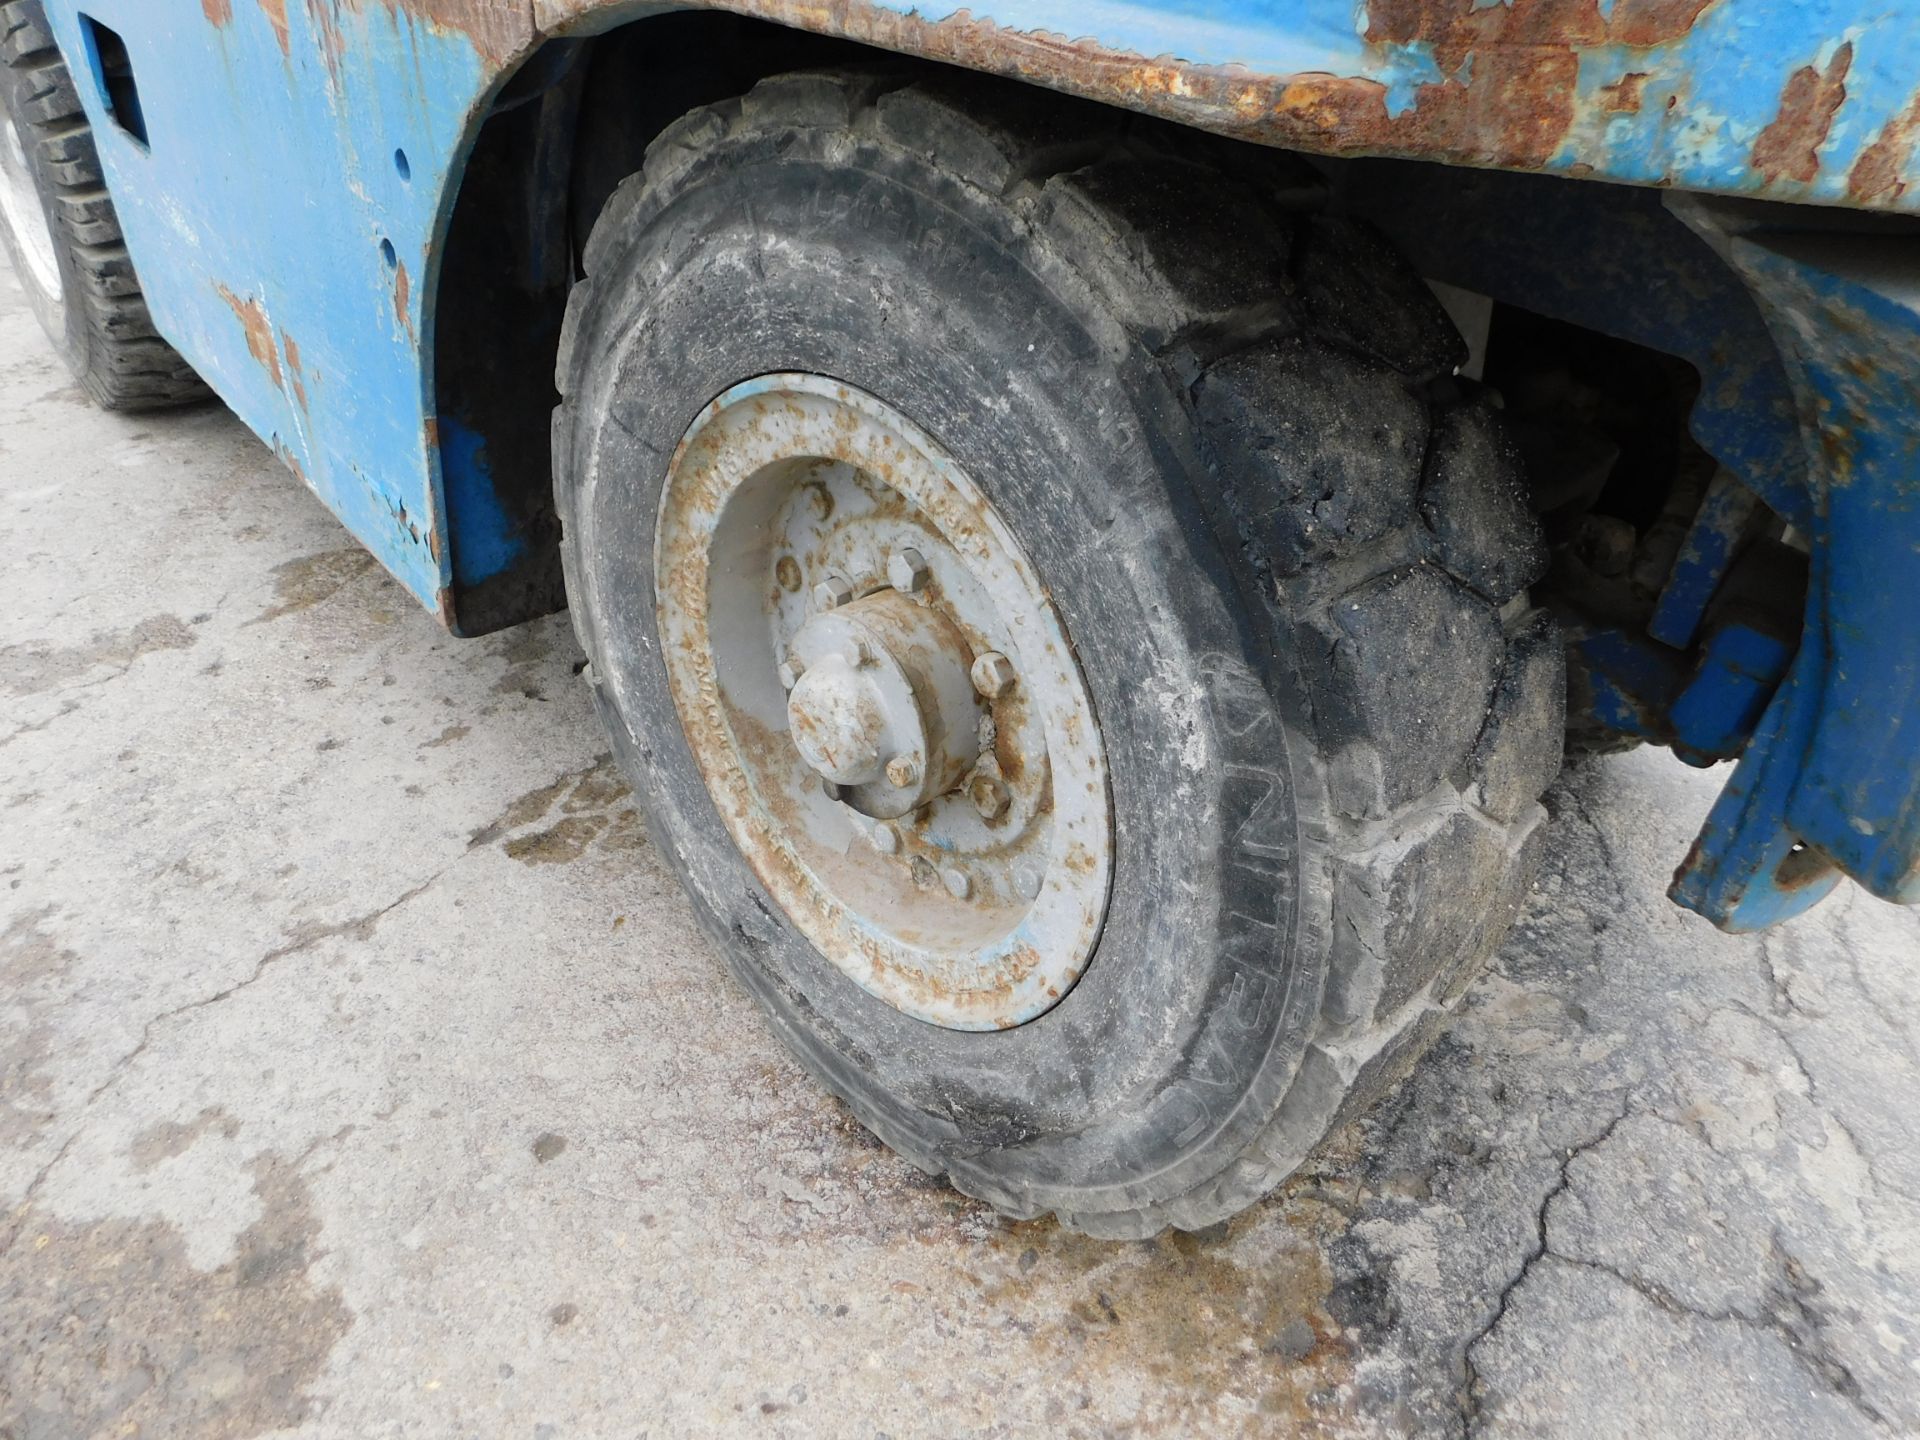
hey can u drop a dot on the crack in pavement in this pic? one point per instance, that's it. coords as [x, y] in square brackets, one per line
[359, 927]
[67, 707]
[1808, 1346]
[1471, 1391]
[1610, 859]
[1788, 1313]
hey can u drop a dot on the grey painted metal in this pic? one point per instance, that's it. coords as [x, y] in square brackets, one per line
[883, 702]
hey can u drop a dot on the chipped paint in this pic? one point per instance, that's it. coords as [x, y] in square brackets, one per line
[402, 295]
[1789, 148]
[1880, 172]
[252, 316]
[1631, 91]
[296, 374]
[276, 13]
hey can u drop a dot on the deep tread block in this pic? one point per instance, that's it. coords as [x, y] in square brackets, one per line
[1407, 667]
[1474, 501]
[1319, 458]
[1363, 294]
[1023, 134]
[1518, 752]
[1134, 224]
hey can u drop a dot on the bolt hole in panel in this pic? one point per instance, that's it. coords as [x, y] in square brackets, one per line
[973, 900]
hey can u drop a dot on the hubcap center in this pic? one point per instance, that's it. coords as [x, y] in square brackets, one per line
[842, 726]
[883, 705]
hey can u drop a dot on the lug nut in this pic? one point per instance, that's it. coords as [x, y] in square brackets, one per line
[856, 652]
[902, 772]
[907, 571]
[885, 838]
[989, 796]
[1027, 882]
[993, 674]
[832, 592]
[958, 883]
[790, 672]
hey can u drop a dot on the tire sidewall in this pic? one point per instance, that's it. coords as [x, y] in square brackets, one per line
[792, 250]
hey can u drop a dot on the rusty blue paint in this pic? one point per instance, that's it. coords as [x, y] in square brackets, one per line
[1740, 670]
[290, 254]
[1831, 783]
[281, 248]
[1712, 543]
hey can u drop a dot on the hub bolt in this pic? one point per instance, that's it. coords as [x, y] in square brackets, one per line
[958, 883]
[1027, 882]
[902, 772]
[993, 674]
[989, 796]
[885, 838]
[907, 571]
[790, 672]
[832, 592]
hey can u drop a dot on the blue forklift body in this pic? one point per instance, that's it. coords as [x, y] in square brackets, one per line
[287, 174]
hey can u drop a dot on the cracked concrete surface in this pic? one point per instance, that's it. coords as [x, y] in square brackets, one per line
[361, 1074]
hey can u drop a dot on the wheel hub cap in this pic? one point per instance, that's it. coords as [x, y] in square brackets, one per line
[883, 706]
[883, 702]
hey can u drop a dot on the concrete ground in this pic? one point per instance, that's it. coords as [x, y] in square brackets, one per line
[362, 1074]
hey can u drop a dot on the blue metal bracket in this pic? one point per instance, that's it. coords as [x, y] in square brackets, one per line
[1828, 784]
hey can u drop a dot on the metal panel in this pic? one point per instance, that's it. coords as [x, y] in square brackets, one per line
[285, 246]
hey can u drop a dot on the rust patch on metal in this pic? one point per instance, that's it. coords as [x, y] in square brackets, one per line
[295, 373]
[499, 30]
[1457, 28]
[1876, 175]
[402, 289]
[252, 316]
[1646, 23]
[1789, 148]
[276, 13]
[1511, 108]
[291, 461]
[1624, 96]
[219, 13]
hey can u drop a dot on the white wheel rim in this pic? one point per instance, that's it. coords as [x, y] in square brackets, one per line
[21, 212]
[979, 906]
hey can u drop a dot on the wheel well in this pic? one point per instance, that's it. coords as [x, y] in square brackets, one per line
[573, 121]
[576, 120]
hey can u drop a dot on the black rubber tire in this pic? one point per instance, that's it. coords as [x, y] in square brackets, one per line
[99, 321]
[1293, 569]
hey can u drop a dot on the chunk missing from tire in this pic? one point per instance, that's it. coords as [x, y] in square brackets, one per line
[93, 312]
[1285, 553]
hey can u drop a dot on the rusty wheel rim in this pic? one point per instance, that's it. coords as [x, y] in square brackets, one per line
[883, 702]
